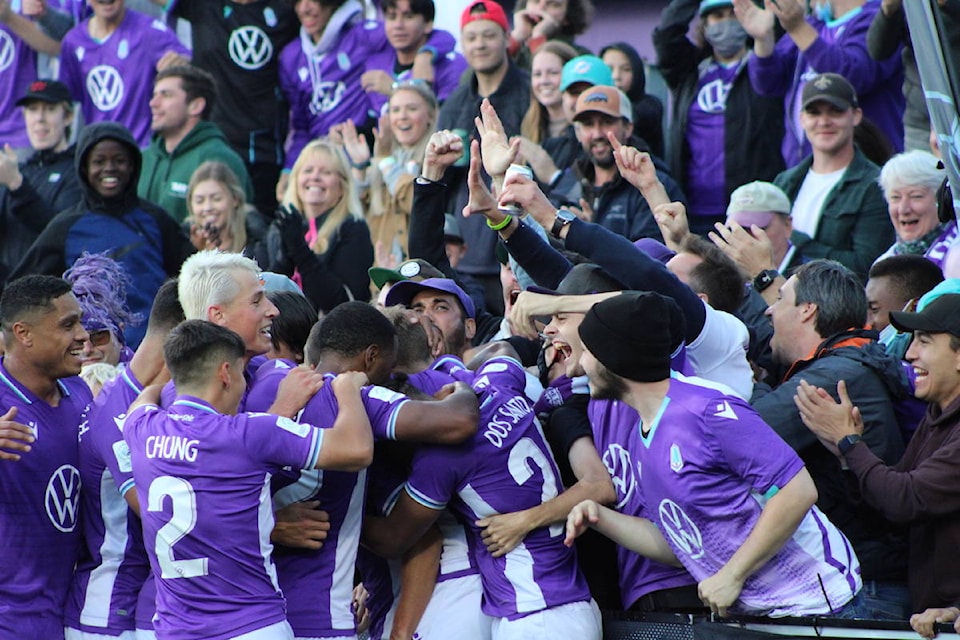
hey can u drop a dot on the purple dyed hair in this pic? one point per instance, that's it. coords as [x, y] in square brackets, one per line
[100, 284]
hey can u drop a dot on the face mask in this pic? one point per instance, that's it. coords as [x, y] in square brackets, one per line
[727, 38]
[823, 11]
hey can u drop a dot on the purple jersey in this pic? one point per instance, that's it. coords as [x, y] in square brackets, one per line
[203, 481]
[18, 68]
[323, 86]
[706, 173]
[39, 511]
[448, 68]
[319, 584]
[614, 425]
[113, 564]
[444, 370]
[113, 79]
[709, 464]
[506, 467]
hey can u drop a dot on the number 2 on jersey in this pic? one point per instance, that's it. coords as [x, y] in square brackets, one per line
[182, 521]
[525, 449]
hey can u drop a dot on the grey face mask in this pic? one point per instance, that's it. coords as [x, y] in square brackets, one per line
[727, 37]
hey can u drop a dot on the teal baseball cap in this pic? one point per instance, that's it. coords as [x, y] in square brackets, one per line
[709, 5]
[590, 69]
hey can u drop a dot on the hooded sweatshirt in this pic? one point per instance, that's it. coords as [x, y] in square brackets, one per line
[139, 235]
[165, 175]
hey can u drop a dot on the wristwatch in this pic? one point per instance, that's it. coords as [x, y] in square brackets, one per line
[764, 279]
[846, 443]
[563, 218]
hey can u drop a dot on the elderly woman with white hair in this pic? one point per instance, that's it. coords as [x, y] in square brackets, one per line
[910, 181]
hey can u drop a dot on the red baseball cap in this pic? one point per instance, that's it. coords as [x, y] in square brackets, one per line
[485, 10]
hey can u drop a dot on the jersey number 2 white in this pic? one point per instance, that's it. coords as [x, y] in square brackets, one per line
[182, 521]
[526, 450]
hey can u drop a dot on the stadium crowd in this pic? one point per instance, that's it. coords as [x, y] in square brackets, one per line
[313, 327]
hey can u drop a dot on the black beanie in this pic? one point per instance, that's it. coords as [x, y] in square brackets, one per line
[631, 334]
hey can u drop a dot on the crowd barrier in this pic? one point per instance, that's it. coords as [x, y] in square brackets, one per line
[620, 625]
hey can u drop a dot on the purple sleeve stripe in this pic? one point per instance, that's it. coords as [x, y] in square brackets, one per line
[316, 446]
[392, 422]
[420, 498]
[127, 486]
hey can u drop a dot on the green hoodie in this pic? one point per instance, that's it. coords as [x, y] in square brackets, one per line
[165, 176]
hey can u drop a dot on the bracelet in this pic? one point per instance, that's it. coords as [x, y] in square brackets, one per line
[431, 50]
[360, 166]
[502, 224]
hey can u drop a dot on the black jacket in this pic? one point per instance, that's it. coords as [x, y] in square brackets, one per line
[753, 124]
[49, 186]
[876, 383]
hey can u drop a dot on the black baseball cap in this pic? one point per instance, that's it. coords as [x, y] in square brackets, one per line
[832, 88]
[582, 279]
[46, 91]
[940, 316]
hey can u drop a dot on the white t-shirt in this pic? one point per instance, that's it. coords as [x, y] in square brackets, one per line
[808, 207]
[719, 353]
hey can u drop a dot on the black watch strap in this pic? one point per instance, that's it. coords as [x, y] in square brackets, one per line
[764, 279]
[563, 218]
[846, 443]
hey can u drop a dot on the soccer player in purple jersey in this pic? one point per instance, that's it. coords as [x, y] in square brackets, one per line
[203, 470]
[109, 62]
[734, 503]
[226, 289]
[39, 387]
[536, 590]
[354, 336]
[113, 565]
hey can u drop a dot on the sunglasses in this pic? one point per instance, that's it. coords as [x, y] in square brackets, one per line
[99, 338]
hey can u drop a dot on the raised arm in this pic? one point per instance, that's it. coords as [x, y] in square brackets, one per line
[448, 421]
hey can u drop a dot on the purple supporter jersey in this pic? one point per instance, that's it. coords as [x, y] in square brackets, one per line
[113, 563]
[614, 425]
[448, 68]
[323, 89]
[39, 509]
[18, 68]
[318, 585]
[506, 467]
[113, 79]
[203, 481]
[706, 185]
[709, 465]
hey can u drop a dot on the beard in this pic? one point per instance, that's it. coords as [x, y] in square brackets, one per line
[606, 385]
[456, 342]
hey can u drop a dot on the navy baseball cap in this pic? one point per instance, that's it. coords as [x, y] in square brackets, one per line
[404, 292]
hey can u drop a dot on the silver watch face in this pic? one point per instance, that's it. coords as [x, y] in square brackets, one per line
[566, 216]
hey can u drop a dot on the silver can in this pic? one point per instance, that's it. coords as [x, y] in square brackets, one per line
[521, 170]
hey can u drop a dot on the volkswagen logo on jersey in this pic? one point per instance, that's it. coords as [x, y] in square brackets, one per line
[8, 50]
[250, 48]
[681, 529]
[617, 461]
[62, 498]
[105, 87]
[713, 96]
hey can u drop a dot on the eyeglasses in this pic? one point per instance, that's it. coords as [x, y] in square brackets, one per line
[99, 338]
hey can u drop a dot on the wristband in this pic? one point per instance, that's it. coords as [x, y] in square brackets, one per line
[502, 224]
[429, 49]
[360, 166]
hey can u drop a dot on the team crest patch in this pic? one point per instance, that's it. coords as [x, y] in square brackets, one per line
[270, 17]
[676, 460]
[343, 61]
[123, 49]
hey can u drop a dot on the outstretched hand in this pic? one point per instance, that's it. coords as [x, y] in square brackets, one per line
[751, 250]
[581, 518]
[481, 201]
[637, 168]
[498, 151]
